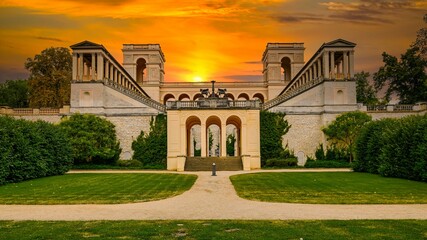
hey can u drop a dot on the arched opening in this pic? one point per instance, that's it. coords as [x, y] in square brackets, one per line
[230, 96]
[141, 66]
[168, 97]
[184, 97]
[193, 127]
[197, 97]
[339, 99]
[213, 135]
[286, 67]
[243, 96]
[234, 125]
[259, 96]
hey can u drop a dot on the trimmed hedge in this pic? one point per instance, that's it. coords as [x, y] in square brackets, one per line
[326, 164]
[32, 150]
[279, 162]
[394, 148]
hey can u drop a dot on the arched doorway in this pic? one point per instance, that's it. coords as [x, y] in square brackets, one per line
[141, 66]
[168, 97]
[286, 67]
[213, 136]
[234, 125]
[259, 96]
[193, 124]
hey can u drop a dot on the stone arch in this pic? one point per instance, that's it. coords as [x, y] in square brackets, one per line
[184, 97]
[197, 96]
[259, 96]
[193, 125]
[236, 129]
[285, 63]
[168, 97]
[243, 96]
[141, 70]
[213, 124]
[230, 96]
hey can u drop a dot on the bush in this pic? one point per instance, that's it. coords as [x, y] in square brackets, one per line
[311, 163]
[333, 153]
[93, 139]
[394, 148]
[31, 150]
[280, 162]
[150, 149]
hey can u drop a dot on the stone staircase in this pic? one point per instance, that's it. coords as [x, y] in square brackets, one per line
[205, 164]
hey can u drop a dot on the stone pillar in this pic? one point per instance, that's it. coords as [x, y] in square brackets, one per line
[351, 64]
[107, 69]
[203, 139]
[75, 67]
[93, 67]
[319, 68]
[332, 75]
[100, 67]
[111, 72]
[326, 65]
[345, 69]
[80, 67]
[223, 139]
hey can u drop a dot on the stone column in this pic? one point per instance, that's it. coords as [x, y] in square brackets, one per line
[107, 69]
[319, 68]
[332, 75]
[203, 139]
[345, 69]
[351, 64]
[223, 140]
[93, 67]
[80, 67]
[111, 72]
[75, 67]
[100, 67]
[326, 65]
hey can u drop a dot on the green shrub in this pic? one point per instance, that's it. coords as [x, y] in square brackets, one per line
[310, 163]
[394, 148]
[280, 162]
[150, 149]
[93, 139]
[332, 153]
[129, 163]
[31, 150]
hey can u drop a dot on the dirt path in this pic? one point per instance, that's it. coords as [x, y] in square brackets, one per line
[210, 198]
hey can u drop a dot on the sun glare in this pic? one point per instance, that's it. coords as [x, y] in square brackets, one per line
[197, 79]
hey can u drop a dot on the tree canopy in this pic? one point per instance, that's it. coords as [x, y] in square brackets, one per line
[405, 77]
[365, 93]
[345, 128]
[50, 78]
[272, 128]
[14, 93]
[421, 40]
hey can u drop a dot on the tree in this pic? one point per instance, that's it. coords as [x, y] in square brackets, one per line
[273, 127]
[421, 41]
[14, 93]
[406, 78]
[50, 78]
[93, 139]
[345, 128]
[231, 140]
[365, 93]
[150, 148]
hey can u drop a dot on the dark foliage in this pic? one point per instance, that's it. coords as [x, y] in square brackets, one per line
[14, 93]
[281, 162]
[31, 150]
[150, 149]
[93, 139]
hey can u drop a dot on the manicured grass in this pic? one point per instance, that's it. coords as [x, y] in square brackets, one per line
[96, 188]
[329, 188]
[354, 229]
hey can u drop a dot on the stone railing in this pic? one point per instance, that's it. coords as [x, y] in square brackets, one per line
[135, 95]
[393, 108]
[34, 111]
[291, 93]
[214, 103]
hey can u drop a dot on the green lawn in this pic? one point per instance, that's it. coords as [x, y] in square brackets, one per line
[227, 229]
[329, 188]
[96, 188]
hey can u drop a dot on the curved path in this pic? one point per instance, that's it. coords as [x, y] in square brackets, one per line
[210, 198]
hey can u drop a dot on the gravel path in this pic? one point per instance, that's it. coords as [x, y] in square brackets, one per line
[210, 198]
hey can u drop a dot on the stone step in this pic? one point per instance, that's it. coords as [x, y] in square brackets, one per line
[205, 164]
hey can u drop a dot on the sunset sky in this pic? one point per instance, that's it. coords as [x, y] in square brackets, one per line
[204, 40]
